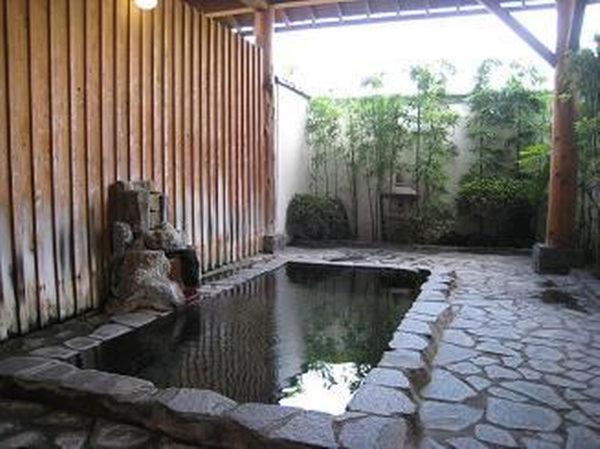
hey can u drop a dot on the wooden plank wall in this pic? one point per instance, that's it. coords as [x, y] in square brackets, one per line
[92, 91]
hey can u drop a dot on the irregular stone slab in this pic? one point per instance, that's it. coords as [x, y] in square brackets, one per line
[60, 418]
[49, 373]
[515, 415]
[505, 333]
[429, 308]
[196, 402]
[543, 353]
[402, 359]
[82, 343]
[512, 362]
[494, 435]
[449, 353]
[582, 438]
[432, 295]
[498, 372]
[458, 337]
[573, 395]
[7, 427]
[590, 408]
[579, 376]
[495, 348]
[562, 382]
[307, 428]
[109, 435]
[484, 361]
[16, 409]
[464, 368]
[430, 443]
[562, 334]
[479, 383]
[381, 401]
[415, 326]
[546, 366]
[552, 437]
[444, 416]
[373, 432]
[29, 439]
[465, 323]
[579, 418]
[446, 387]
[54, 352]
[14, 365]
[537, 391]
[534, 443]
[507, 394]
[259, 417]
[71, 440]
[465, 443]
[405, 340]
[134, 319]
[109, 331]
[576, 365]
[387, 378]
[530, 374]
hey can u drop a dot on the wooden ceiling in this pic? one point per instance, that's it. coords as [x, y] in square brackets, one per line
[305, 14]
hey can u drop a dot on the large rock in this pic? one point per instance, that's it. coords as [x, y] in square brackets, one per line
[165, 237]
[143, 283]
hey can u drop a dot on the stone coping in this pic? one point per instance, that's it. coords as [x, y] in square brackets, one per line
[381, 414]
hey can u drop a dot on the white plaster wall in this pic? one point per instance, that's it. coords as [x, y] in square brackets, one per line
[292, 152]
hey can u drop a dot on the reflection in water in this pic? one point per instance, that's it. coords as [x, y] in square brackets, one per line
[326, 387]
[301, 335]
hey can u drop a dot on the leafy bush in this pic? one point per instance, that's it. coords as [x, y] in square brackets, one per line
[501, 207]
[311, 217]
[429, 223]
[484, 195]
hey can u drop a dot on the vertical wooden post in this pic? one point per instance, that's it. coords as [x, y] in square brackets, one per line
[563, 171]
[558, 255]
[263, 25]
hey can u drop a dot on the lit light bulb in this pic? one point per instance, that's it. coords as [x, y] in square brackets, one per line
[146, 4]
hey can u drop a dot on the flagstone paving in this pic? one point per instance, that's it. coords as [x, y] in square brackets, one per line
[518, 365]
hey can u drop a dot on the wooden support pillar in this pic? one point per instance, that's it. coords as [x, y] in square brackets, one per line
[557, 255]
[562, 192]
[264, 20]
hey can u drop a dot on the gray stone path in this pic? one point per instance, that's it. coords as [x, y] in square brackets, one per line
[518, 366]
[531, 369]
[26, 424]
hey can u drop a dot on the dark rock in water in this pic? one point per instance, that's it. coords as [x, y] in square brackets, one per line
[144, 283]
[186, 266]
[150, 260]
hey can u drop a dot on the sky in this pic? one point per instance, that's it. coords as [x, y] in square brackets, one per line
[336, 60]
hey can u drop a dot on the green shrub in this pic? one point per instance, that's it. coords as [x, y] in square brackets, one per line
[311, 217]
[426, 224]
[500, 207]
[485, 195]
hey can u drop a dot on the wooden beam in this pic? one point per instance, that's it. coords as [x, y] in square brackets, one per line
[494, 7]
[576, 24]
[255, 4]
[219, 9]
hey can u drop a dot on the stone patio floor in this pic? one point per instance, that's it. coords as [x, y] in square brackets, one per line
[518, 366]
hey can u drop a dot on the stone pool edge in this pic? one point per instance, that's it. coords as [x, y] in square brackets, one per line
[383, 410]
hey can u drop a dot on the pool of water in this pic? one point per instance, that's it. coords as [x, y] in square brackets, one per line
[302, 335]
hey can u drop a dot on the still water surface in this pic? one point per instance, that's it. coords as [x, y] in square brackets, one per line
[302, 335]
